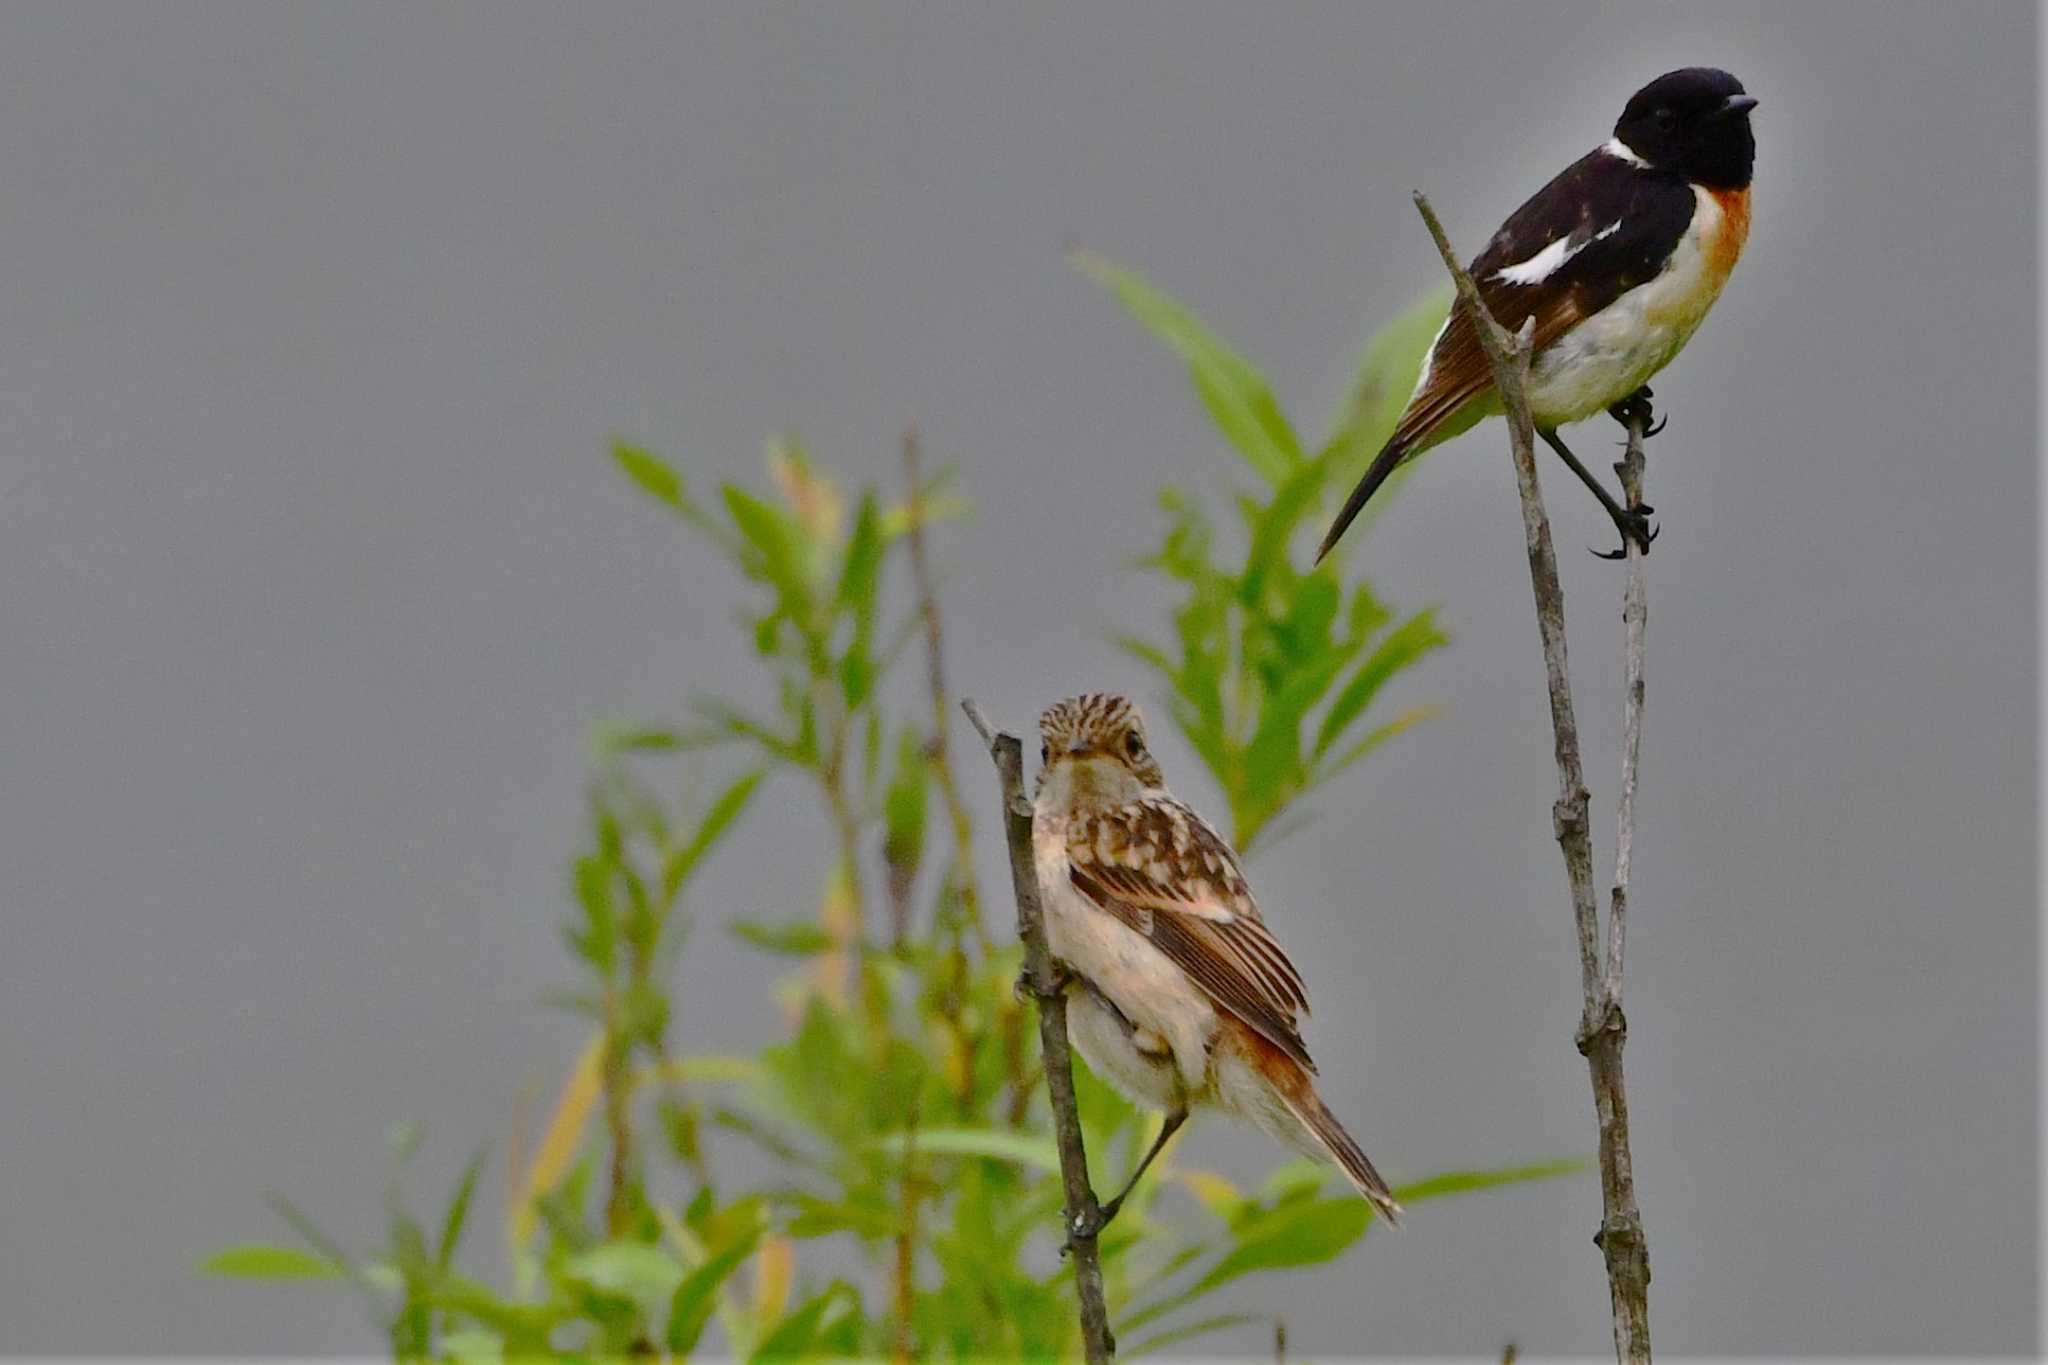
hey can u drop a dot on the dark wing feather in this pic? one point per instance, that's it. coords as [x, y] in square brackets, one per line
[1160, 869]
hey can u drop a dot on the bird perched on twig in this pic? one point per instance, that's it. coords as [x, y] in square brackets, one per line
[1178, 994]
[1616, 261]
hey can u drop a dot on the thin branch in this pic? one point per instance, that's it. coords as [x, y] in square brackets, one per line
[1082, 1212]
[962, 876]
[1602, 1030]
[1635, 612]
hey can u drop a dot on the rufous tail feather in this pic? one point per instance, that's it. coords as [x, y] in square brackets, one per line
[1315, 1116]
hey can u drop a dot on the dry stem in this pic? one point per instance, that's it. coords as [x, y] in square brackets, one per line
[1082, 1212]
[1602, 1029]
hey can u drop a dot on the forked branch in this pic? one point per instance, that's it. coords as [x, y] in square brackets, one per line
[1602, 1029]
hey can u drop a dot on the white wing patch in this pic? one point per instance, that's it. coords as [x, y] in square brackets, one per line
[1621, 151]
[1551, 259]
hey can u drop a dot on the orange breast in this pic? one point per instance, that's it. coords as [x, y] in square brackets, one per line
[1724, 247]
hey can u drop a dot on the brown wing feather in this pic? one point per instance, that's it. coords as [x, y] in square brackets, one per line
[1160, 869]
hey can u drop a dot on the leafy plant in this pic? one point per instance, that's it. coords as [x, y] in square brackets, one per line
[1272, 673]
[911, 1201]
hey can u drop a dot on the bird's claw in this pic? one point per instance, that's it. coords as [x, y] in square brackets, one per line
[1062, 976]
[1084, 1226]
[1634, 525]
[1637, 405]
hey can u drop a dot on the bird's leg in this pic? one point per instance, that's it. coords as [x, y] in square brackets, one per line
[1107, 1211]
[1638, 403]
[1633, 523]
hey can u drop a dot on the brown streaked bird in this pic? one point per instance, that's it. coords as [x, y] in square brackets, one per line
[1617, 261]
[1178, 994]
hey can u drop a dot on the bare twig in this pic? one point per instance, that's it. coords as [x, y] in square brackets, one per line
[962, 878]
[1082, 1212]
[1602, 1030]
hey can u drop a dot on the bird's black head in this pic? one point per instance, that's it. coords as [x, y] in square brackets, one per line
[1694, 122]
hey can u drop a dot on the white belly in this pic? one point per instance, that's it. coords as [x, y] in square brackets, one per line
[1143, 983]
[1611, 354]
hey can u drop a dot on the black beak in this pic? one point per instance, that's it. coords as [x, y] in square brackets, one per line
[1735, 104]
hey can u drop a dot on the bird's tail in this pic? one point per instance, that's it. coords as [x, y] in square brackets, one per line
[1314, 1115]
[1385, 463]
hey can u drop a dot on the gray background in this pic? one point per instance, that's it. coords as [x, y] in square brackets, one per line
[314, 322]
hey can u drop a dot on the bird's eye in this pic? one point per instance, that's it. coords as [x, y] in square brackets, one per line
[1134, 745]
[1045, 755]
[1665, 120]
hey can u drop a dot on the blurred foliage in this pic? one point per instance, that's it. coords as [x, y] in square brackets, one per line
[910, 1202]
[1271, 672]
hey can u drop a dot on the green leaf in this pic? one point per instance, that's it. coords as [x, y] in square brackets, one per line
[858, 595]
[776, 538]
[1304, 1234]
[717, 820]
[793, 1336]
[256, 1261]
[610, 738]
[654, 475]
[473, 1346]
[1400, 649]
[903, 805]
[996, 1144]
[696, 1298]
[642, 1274]
[1274, 527]
[1400, 724]
[862, 567]
[798, 938]
[1175, 1335]
[1464, 1182]
[1385, 377]
[1237, 396]
[458, 1208]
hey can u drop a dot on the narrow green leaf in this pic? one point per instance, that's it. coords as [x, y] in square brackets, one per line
[903, 804]
[798, 938]
[996, 1144]
[1173, 1336]
[793, 1336]
[1372, 739]
[1274, 525]
[1147, 653]
[718, 818]
[1305, 1234]
[1237, 396]
[776, 538]
[1401, 647]
[458, 1208]
[262, 1262]
[654, 475]
[862, 567]
[696, 1298]
[1464, 1182]
[1387, 369]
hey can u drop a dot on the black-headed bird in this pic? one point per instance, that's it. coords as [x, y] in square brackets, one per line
[1617, 261]
[1178, 995]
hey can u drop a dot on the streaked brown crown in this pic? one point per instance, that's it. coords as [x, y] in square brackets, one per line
[1099, 723]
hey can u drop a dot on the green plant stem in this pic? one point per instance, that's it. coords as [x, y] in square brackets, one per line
[617, 1115]
[1082, 1211]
